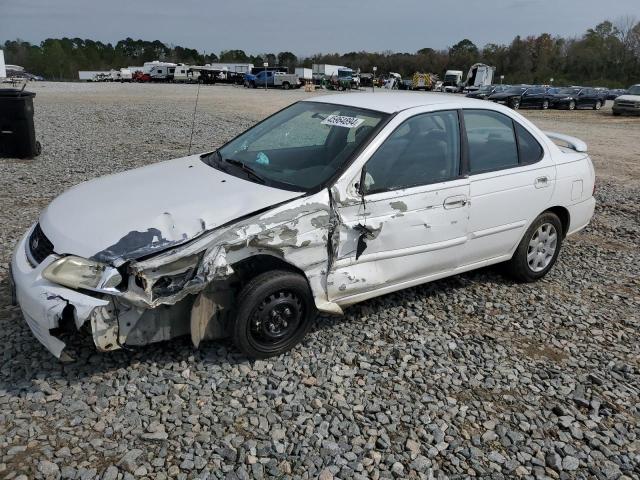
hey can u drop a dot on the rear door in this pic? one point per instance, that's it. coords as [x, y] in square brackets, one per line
[511, 181]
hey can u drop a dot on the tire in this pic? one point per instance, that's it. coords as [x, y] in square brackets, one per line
[275, 310]
[597, 105]
[616, 114]
[572, 105]
[286, 85]
[514, 103]
[545, 105]
[538, 250]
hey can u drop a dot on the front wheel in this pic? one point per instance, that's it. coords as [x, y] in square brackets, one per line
[515, 104]
[572, 105]
[275, 310]
[545, 105]
[598, 105]
[538, 250]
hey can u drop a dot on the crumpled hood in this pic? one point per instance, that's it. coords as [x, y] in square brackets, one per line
[138, 212]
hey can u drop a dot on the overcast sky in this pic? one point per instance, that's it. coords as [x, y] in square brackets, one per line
[305, 26]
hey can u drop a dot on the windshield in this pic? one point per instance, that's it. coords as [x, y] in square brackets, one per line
[635, 90]
[569, 91]
[516, 90]
[298, 148]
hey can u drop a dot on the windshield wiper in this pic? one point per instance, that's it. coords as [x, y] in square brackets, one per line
[246, 169]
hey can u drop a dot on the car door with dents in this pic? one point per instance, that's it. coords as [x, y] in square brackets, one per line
[411, 221]
[512, 178]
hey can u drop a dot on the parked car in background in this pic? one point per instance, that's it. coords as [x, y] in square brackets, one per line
[250, 241]
[628, 103]
[484, 92]
[510, 96]
[573, 98]
[536, 97]
[615, 93]
[405, 85]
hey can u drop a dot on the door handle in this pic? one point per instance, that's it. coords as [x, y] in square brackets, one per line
[457, 201]
[541, 182]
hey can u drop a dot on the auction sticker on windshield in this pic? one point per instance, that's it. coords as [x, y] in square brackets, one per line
[342, 121]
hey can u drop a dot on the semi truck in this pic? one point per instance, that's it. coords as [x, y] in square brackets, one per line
[452, 81]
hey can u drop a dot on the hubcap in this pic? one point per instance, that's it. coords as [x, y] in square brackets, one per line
[276, 319]
[542, 247]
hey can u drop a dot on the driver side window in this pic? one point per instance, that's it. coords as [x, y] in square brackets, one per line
[424, 149]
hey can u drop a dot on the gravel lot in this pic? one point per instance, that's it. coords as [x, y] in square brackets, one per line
[472, 376]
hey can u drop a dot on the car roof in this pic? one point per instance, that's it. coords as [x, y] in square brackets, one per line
[393, 102]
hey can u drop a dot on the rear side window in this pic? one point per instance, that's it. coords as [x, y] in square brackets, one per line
[528, 147]
[491, 139]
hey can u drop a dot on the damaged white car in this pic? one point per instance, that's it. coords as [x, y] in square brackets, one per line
[328, 202]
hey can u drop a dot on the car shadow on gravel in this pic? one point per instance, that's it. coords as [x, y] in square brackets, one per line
[26, 360]
[493, 274]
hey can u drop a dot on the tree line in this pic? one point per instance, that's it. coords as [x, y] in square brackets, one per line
[608, 55]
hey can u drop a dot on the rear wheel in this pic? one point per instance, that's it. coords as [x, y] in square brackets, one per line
[538, 250]
[572, 105]
[286, 85]
[545, 104]
[275, 310]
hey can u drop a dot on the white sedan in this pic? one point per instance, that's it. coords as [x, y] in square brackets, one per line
[329, 202]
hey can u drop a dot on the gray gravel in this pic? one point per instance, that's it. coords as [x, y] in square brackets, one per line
[468, 376]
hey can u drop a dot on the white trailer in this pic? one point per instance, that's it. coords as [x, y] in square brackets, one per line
[92, 75]
[304, 74]
[320, 70]
[160, 71]
[185, 73]
[231, 67]
[3, 70]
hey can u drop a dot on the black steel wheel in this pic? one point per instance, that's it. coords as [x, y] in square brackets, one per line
[275, 309]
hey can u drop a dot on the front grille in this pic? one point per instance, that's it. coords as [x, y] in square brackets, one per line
[39, 246]
[627, 103]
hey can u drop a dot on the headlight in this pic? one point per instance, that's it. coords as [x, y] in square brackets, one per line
[76, 272]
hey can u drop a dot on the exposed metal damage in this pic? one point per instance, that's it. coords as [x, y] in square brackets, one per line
[189, 288]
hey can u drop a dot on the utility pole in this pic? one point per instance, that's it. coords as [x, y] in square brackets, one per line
[265, 65]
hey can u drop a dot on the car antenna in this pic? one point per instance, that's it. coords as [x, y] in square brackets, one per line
[193, 120]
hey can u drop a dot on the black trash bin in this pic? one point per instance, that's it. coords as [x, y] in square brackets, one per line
[17, 132]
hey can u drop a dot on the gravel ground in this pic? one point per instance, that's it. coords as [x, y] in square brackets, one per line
[472, 376]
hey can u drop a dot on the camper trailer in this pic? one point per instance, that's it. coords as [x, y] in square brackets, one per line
[91, 75]
[160, 71]
[185, 74]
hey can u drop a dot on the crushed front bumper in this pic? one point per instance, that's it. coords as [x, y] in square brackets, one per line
[43, 303]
